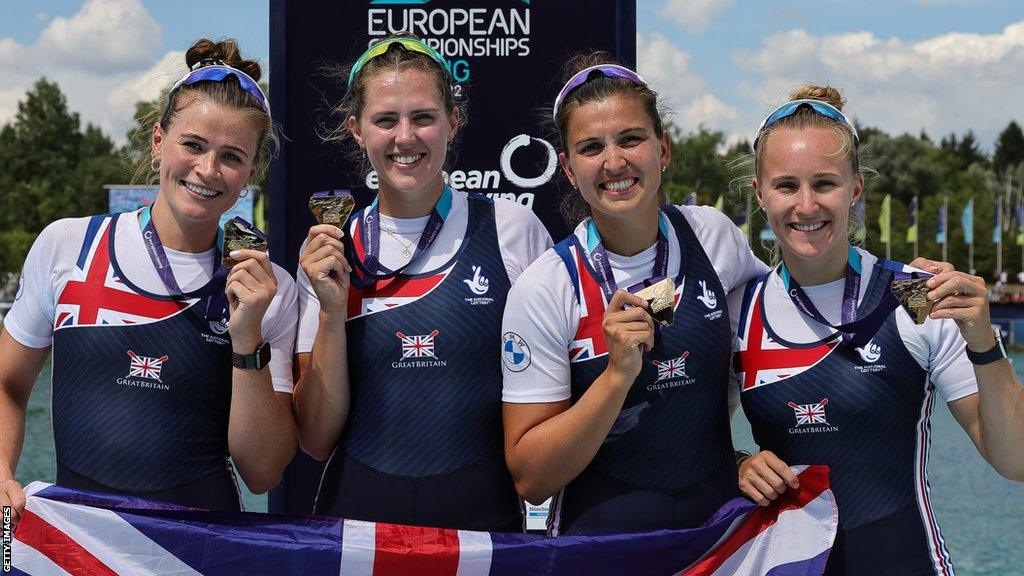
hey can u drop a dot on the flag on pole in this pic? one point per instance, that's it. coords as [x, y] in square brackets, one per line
[720, 203]
[885, 219]
[691, 199]
[859, 231]
[742, 224]
[940, 230]
[66, 531]
[912, 227]
[967, 221]
[1020, 223]
[767, 234]
[997, 231]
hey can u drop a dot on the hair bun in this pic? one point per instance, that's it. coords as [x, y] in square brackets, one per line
[226, 51]
[826, 94]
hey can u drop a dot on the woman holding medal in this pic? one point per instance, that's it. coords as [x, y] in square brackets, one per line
[625, 418]
[164, 361]
[400, 382]
[849, 380]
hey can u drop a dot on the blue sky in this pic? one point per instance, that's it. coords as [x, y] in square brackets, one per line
[905, 65]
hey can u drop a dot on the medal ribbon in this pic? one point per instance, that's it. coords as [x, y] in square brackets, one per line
[370, 232]
[598, 257]
[857, 332]
[217, 305]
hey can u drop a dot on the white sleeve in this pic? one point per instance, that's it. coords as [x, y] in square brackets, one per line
[725, 245]
[30, 319]
[279, 329]
[309, 311]
[537, 326]
[522, 237]
[939, 348]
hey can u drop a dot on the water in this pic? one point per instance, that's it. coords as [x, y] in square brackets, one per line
[981, 513]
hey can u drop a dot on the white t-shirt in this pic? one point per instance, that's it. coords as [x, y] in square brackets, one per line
[936, 345]
[52, 259]
[521, 239]
[542, 307]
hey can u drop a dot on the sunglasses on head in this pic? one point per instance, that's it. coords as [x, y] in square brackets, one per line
[410, 44]
[216, 71]
[791, 107]
[580, 78]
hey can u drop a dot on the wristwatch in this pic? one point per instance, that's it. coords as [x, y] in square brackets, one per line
[255, 361]
[998, 352]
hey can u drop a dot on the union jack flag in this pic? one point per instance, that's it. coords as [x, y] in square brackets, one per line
[145, 366]
[418, 346]
[674, 368]
[64, 532]
[810, 413]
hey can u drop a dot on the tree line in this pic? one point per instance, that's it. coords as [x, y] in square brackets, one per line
[52, 167]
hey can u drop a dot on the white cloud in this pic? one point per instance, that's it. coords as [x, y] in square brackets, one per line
[104, 35]
[667, 68]
[102, 59]
[948, 83]
[694, 15]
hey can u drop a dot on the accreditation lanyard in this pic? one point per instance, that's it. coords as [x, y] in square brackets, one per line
[217, 304]
[857, 332]
[598, 257]
[370, 235]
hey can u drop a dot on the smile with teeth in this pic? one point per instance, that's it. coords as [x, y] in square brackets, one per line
[619, 185]
[808, 227]
[406, 159]
[205, 192]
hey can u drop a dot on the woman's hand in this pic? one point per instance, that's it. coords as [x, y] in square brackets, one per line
[251, 286]
[964, 298]
[12, 494]
[931, 266]
[764, 477]
[325, 265]
[628, 332]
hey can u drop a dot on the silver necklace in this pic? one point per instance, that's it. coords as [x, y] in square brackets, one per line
[406, 247]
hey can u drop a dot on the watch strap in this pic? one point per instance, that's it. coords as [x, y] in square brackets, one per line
[997, 352]
[255, 361]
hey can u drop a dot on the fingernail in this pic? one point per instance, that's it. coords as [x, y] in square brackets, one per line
[235, 253]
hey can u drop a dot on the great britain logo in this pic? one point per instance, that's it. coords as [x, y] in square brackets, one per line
[671, 373]
[811, 418]
[418, 351]
[145, 371]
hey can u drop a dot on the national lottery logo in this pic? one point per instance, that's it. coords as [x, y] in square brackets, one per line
[515, 353]
[145, 366]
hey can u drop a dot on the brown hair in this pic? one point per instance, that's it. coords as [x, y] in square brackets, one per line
[598, 87]
[807, 118]
[395, 58]
[227, 92]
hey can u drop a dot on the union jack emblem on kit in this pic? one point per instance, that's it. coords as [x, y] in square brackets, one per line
[145, 366]
[418, 346]
[807, 414]
[674, 368]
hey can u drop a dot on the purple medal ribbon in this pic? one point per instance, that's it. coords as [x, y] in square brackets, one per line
[217, 304]
[371, 235]
[598, 257]
[857, 332]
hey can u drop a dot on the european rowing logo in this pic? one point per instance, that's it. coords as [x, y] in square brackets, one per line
[418, 351]
[144, 372]
[671, 373]
[515, 353]
[811, 418]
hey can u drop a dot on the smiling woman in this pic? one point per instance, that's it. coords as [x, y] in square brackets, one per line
[167, 361]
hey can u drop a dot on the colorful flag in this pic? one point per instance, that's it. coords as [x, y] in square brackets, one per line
[66, 531]
[720, 203]
[885, 219]
[859, 231]
[940, 230]
[767, 234]
[967, 221]
[912, 227]
[997, 231]
[742, 224]
[691, 199]
[1020, 224]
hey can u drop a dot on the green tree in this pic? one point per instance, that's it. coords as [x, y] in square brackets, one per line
[1009, 148]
